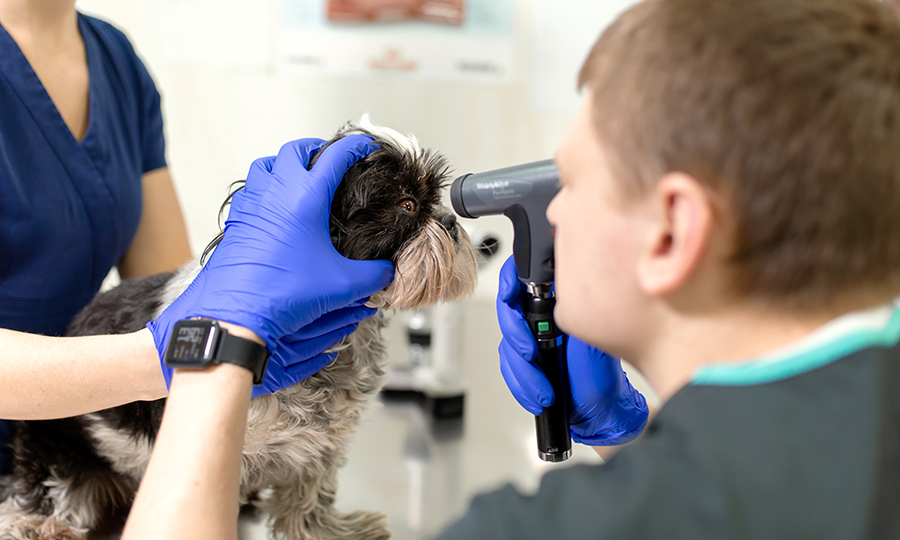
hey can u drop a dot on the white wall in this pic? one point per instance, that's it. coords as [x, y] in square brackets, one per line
[219, 119]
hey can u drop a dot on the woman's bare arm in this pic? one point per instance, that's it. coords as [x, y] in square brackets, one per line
[191, 486]
[53, 377]
[161, 241]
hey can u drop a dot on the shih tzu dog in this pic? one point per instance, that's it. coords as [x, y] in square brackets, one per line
[75, 476]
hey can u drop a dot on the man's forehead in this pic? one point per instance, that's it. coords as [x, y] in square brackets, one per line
[580, 147]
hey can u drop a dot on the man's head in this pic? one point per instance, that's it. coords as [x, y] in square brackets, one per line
[782, 117]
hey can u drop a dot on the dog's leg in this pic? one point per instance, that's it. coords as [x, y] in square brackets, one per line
[84, 503]
[17, 523]
[70, 507]
[304, 510]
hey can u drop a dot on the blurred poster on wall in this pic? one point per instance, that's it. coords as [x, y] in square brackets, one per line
[562, 35]
[445, 11]
[464, 40]
[217, 32]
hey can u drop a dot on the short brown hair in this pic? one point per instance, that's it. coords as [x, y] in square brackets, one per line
[789, 109]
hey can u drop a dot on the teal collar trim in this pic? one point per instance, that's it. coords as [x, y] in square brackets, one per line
[843, 336]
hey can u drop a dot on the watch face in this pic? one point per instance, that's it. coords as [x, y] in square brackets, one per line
[191, 340]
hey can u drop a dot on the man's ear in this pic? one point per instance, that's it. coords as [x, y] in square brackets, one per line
[679, 234]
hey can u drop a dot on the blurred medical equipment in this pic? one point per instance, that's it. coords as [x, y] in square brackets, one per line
[434, 371]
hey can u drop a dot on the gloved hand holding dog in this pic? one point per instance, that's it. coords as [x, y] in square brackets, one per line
[276, 272]
[605, 410]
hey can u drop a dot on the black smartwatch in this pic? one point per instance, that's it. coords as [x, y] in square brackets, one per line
[198, 343]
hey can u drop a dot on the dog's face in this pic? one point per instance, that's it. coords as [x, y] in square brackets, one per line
[388, 207]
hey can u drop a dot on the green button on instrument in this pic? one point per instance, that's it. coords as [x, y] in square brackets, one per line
[543, 326]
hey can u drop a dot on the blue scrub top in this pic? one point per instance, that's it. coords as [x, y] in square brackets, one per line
[69, 210]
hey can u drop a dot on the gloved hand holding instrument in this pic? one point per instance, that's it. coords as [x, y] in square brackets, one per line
[522, 193]
[604, 409]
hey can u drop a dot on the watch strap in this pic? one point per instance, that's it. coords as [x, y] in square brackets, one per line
[243, 352]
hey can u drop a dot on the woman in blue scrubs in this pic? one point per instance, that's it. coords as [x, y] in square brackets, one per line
[83, 180]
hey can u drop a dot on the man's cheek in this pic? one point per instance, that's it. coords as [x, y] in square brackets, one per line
[561, 315]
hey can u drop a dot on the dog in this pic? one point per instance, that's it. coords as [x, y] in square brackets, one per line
[78, 476]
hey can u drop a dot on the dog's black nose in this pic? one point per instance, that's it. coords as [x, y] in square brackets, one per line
[448, 221]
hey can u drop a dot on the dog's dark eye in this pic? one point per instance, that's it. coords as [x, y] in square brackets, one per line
[408, 206]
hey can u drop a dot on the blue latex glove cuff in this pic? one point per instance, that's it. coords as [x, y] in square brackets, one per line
[626, 421]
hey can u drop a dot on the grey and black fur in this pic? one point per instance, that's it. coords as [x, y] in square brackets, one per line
[76, 476]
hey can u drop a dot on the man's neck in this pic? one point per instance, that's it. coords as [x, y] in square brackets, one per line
[50, 22]
[687, 343]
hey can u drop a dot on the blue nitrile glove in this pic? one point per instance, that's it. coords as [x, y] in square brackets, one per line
[276, 271]
[295, 357]
[605, 409]
[301, 355]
